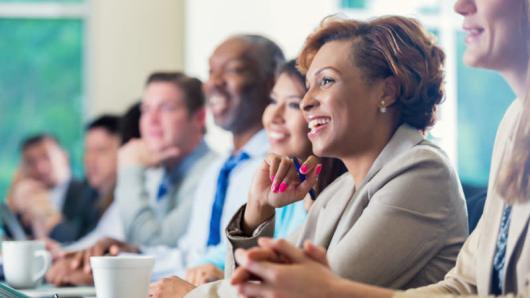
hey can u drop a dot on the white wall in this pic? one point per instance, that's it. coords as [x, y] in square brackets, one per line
[208, 22]
[129, 39]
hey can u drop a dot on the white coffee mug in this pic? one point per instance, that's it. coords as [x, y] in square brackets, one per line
[25, 263]
[122, 276]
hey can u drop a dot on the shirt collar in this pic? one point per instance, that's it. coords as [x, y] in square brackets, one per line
[180, 170]
[258, 145]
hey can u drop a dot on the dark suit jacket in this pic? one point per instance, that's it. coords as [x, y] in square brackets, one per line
[80, 213]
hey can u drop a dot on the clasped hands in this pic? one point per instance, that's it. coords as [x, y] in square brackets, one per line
[276, 268]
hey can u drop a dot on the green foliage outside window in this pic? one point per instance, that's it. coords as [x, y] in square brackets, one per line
[43, 1]
[40, 87]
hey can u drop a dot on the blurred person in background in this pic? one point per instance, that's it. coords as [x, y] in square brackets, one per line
[102, 141]
[156, 173]
[43, 192]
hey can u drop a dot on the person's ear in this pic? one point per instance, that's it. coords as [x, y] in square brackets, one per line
[199, 117]
[389, 93]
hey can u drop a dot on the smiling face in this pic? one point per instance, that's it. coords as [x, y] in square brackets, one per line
[495, 37]
[340, 107]
[236, 95]
[283, 120]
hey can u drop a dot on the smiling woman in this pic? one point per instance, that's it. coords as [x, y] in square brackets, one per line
[373, 88]
[495, 258]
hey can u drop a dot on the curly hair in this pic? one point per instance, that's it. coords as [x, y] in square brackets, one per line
[390, 46]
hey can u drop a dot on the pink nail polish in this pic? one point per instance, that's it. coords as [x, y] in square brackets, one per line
[283, 187]
[303, 169]
[272, 178]
[318, 169]
[274, 186]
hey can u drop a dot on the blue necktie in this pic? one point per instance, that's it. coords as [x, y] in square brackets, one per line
[214, 236]
[499, 260]
[163, 188]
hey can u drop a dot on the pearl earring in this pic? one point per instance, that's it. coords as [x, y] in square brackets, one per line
[382, 108]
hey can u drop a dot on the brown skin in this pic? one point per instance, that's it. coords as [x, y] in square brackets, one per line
[236, 89]
[337, 92]
[237, 93]
[287, 271]
[287, 131]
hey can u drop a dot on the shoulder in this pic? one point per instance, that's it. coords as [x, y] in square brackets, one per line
[204, 163]
[420, 178]
[425, 157]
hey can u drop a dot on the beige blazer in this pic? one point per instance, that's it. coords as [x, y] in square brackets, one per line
[401, 227]
[473, 271]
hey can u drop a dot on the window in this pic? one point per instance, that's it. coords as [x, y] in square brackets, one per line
[41, 78]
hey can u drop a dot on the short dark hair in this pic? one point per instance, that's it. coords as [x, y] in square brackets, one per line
[270, 55]
[108, 122]
[130, 123]
[289, 68]
[36, 139]
[191, 86]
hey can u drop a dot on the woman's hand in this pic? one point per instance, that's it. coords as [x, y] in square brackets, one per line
[277, 184]
[299, 273]
[287, 271]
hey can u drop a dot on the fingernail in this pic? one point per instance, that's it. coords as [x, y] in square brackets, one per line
[272, 178]
[303, 169]
[283, 186]
[274, 186]
[318, 169]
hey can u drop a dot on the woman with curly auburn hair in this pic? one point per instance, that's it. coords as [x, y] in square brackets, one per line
[495, 259]
[372, 89]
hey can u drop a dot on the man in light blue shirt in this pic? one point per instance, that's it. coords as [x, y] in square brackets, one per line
[157, 172]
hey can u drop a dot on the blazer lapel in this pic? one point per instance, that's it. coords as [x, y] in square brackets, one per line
[518, 224]
[331, 213]
[488, 241]
[403, 139]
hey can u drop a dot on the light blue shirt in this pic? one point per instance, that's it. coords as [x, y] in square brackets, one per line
[149, 222]
[287, 219]
[192, 246]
